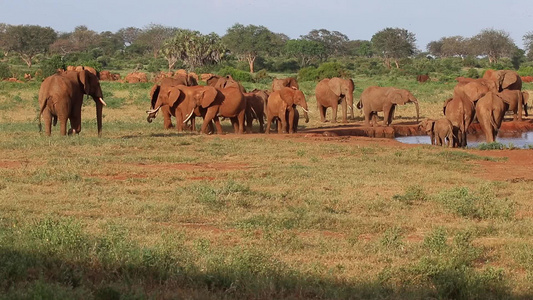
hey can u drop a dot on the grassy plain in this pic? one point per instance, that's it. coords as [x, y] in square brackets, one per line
[148, 213]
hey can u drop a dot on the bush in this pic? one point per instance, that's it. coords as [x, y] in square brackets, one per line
[308, 74]
[332, 69]
[472, 73]
[262, 77]
[238, 75]
[49, 67]
[4, 71]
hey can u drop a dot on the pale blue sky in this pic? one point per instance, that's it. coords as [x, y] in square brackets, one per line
[429, 20]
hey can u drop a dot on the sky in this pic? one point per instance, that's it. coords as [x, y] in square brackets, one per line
[359, 20]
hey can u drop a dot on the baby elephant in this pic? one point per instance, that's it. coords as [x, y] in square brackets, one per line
[439, 130]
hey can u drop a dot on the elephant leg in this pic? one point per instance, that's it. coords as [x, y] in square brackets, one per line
[167, 117]
[75, 124]
[249, 120]
[240, 120]
[63, 125]
[344, 107]
[374, 118]
[261, 124]
[209, 115]
[268, 124]
[334, 114]
[47, 119]
[217, 125]
[322, 111]
[291, 121]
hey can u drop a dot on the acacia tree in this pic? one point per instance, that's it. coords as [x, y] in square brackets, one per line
[334, 42]
[129, 35]
[193, 48]
[304, 51]
[394, 43]
[450, 46]
[360, 48]
[249, 42]
[153, 36]
[28, 40]
[493, 43]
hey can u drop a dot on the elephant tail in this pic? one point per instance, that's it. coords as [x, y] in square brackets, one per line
[41, 112]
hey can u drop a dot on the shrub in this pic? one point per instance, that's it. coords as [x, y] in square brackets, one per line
[412, 193]
[480, 205]
[332, 69]
[308, 74]
[472, 73]
[238, 75]
[49, 67]
[4, 71]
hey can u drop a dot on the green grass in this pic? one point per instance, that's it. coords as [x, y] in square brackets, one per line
[145, 212]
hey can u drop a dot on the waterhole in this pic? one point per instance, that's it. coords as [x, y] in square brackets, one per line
[518, 140]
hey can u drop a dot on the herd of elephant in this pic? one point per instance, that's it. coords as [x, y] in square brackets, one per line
[488, 98]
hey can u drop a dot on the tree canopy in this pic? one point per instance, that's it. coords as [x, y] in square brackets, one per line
[248, 42]
[28, 40]
[394, 43]
[493, 43]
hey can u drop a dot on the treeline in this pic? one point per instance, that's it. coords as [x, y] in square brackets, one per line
[249, 48]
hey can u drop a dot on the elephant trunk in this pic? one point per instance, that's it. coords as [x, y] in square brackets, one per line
[525, 110]
[306, 116]
[349, 102]
[99, 107]
[417, 111]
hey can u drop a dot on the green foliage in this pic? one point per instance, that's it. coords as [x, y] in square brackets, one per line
[262, 77]
[476, 205]
[325, 70]
[413, 193]
[238, 75]
[526, 70]
[472, 73]
[491, 146]
[50, 66]
[4, 71]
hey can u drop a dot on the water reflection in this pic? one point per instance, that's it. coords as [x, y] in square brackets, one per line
[519, 140]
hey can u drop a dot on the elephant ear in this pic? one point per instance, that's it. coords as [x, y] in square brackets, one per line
[335, 86]
[206, 97]
[173, 96]
[509, 78]
[85, 78]
[154, 94]
[287, 95]
[397, 97]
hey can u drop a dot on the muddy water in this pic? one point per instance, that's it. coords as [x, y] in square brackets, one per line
[519, 140]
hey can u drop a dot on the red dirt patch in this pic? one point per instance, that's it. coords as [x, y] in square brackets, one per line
[516, 168]
[10, 164]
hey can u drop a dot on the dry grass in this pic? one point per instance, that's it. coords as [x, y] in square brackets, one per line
[144, 212]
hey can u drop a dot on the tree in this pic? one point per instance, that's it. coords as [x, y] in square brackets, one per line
[493, 43]
[3, 44]
[305, 51]
[110, 42]
[450, 47]
[359, 48]
[28, 40]
[334, 42]
[153, 35]
[193, 48]
[248, 42]
[393, 44]
[129, 35]
[528, 43]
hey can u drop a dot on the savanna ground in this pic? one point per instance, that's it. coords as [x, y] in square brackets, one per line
[148, 213]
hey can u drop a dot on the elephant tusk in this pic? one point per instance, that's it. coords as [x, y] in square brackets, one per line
[153, 110]
[102, 101]
[189, 116]
[305, 110]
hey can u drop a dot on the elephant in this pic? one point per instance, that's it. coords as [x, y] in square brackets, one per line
[184, 102]
[331, 93]
[474, 89]
[277, 84]
[375, 99]
[61, 97]
[224, 82]
[440, 130]
[460, 112]
[255, 108]
[136, 77]
[163, 90]
[517, 101]
[282, 101]
[504, 79]
[422, 78]
[490, 110]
